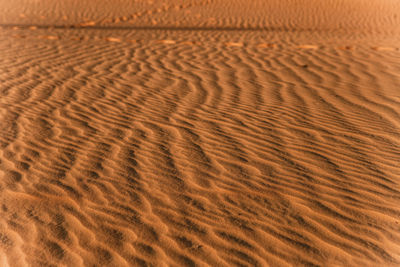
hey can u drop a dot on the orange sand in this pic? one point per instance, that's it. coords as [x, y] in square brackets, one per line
[200, 133]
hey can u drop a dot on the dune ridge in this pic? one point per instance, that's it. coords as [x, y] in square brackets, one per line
[162, 147]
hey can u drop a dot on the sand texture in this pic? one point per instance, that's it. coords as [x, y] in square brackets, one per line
[199, 133]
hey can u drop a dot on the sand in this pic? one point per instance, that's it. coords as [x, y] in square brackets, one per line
[200, 133]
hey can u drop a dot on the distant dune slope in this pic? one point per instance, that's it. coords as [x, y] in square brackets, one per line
[241, 141]
[374, 16]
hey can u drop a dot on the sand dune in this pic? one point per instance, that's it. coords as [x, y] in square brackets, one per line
[199, 133]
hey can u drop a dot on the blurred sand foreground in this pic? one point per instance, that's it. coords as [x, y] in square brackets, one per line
[200, 133]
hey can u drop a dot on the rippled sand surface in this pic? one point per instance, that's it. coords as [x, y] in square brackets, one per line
[199, 133]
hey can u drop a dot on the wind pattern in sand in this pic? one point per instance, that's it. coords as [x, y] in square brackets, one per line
[225, 145]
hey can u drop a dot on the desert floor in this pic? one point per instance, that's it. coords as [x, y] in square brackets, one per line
[200, 133]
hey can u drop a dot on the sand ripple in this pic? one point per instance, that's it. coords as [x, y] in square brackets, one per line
[163, 148]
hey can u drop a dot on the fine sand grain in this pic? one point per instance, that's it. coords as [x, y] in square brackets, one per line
[199, 133]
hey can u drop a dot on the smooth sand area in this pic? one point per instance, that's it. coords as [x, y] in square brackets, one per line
[199, 133]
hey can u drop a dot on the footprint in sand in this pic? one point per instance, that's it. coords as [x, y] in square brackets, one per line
[49, 37]
[307, 46]
[113, 39]
[266, 45]
[87, 24]
[166, 41]
[384, 48]
[233, 44]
